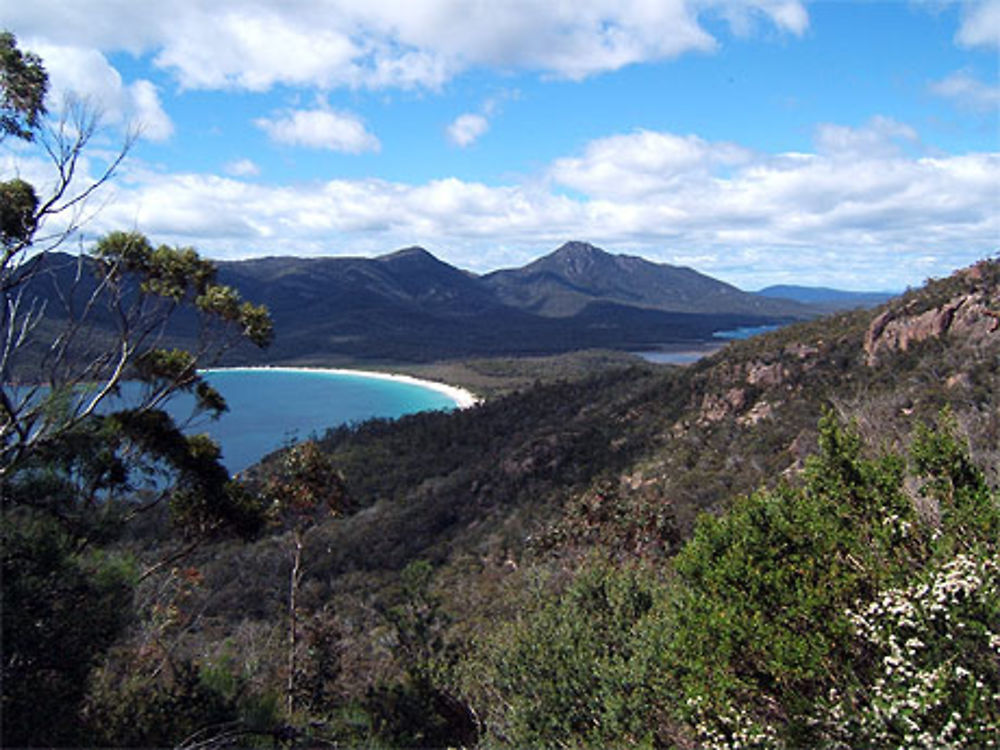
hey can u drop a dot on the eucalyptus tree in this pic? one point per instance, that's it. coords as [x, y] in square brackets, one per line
[76, 465]
[74, 327]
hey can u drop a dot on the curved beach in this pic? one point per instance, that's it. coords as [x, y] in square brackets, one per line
[463, 398]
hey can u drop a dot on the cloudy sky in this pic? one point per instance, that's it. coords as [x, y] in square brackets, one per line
[853, 144]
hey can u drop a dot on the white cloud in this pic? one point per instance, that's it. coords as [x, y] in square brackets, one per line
[320, 128]
[744, 17]
[864, 221]
[86, 75]
[466, 129]
[968, 91]
[980, 24]
[385, 43]
[242, 168]
[143, 102]
[255, 47]
[879, 137]
[643, 163]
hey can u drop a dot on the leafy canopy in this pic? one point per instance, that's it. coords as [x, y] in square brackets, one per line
[23, 85]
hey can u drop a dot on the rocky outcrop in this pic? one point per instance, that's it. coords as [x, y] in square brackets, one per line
[968, 316]
[715, 407]
[766, 375]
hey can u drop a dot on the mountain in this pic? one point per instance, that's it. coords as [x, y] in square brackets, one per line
[409, 279]
[410, 306]
[824, 297]
[577, 274]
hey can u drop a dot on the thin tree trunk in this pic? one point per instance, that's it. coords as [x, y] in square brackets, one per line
[293, 636]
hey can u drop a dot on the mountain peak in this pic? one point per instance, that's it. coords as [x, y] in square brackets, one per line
[576, 260]
[579, 274]
[577, 247]
[577, 252]
[408, 253]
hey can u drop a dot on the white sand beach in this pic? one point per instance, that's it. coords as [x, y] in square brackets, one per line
[463, 398]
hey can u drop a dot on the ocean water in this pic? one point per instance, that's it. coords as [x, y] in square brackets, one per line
[268, 408]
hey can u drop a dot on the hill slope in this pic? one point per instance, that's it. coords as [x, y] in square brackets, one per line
[513, 475]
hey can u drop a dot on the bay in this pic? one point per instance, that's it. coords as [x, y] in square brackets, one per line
[269, 407]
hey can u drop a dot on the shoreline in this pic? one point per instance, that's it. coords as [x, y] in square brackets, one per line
[463, 398]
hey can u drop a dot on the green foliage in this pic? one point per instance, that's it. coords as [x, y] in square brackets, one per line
[305, 486]
[23, 83]
[180, 275]
[954, 484]
[419, 708]
[18, 203]
[128, 708]
[173, 365]
[72, 473]
[575, 669]
[71, 476]
[831, 614]
[62, 609]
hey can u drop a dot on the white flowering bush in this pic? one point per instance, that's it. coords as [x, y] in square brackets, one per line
[934, 666]
[730, 728]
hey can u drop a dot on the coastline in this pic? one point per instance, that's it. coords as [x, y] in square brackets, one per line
[464, 399]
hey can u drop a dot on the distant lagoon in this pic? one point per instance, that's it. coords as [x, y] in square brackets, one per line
[744, 332]
[679, 354]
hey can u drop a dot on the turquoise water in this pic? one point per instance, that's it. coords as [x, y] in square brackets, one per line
[267, 408]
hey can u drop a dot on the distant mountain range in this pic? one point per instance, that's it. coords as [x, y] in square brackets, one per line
[826, 298]
[409, 306]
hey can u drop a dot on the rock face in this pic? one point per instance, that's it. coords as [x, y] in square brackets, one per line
[974, 317]
[715, 408]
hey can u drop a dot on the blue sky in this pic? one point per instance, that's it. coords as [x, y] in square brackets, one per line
[852, 144]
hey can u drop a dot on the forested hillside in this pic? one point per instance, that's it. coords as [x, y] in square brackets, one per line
[532, 571]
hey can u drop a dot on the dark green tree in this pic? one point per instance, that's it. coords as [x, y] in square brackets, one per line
[74, 466]
[23, 83]
[798, 596]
